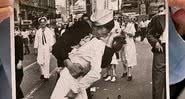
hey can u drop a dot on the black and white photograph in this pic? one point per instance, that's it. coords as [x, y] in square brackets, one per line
[90, 49]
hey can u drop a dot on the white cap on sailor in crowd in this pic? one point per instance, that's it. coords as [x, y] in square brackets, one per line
[101, 17]
[42, 19]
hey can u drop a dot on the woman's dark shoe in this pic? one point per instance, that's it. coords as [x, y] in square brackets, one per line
[129, 78]
[124, 75]
[105, 76]
[42, 77]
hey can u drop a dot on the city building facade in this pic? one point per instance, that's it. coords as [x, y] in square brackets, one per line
[28, 12]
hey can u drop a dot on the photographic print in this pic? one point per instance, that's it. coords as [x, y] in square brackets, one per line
[90, 49]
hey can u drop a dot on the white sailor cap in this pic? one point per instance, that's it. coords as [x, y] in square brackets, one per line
[101, 17]
[42, 20]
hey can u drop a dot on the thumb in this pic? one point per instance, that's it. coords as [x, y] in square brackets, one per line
[177, 3]
[178, 17]
[5, 3]
[5, 12]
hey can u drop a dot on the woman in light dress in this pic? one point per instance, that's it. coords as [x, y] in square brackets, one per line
[128, 52]
[110, 74]
[111, 70]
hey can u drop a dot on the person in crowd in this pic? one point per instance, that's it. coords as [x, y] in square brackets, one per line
[75, 20]
[44, 40]
[65, 26]
[137, 28]
[84, 65]
[123, 25]
[70, 22]
[31, 36]
[143, 29]
[58, 30]
[122, 52]
[25, 34]
[129, 50]
[147, 25]
[111, 70]
[18, 63]
[147, 22]
[157, 39]
[51, 27]
[33, 32]
[16, 31]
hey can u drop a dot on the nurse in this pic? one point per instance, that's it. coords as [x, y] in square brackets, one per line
[130, 49]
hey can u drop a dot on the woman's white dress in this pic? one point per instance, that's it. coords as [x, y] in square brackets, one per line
[90, 53]
[130, 48]
[64, 84]
[114, 60]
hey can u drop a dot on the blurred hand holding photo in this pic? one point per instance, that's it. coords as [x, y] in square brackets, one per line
[5, 9]
[5, 72]
[178, 15]
[176, 49]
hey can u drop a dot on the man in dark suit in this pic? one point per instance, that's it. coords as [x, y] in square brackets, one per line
[18, 64]
[57, 31]
[157, 39]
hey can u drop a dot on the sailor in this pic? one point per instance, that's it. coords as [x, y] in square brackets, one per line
[89, 54]
[44, 41]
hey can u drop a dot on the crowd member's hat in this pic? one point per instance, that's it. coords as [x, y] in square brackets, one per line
[101, 17]
[42, 20]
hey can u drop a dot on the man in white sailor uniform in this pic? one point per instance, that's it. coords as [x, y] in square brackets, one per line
[69, 86]
[44, 41]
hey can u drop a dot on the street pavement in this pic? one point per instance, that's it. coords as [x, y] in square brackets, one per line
[139, 88]
[141, 85]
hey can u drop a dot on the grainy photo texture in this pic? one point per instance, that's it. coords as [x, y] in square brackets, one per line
[90, 49]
